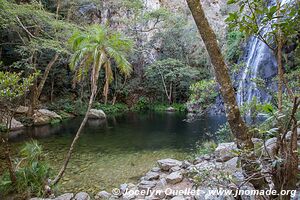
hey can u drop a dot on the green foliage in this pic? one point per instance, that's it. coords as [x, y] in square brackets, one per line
[13, 85]
[109, 109]
[142, 104]
[233, 46]
[32, 172]
[252, 16]
[224, 134]
[275, 119]
[160, 107]
[204, 148]
[202, 94]
[67, 105]
[94, 49]
[170, 74]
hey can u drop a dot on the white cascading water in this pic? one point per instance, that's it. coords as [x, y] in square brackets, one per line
[258, 59]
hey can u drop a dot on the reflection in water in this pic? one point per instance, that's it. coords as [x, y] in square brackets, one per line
[119, 149]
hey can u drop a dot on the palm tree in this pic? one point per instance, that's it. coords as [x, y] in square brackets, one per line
[94, 50]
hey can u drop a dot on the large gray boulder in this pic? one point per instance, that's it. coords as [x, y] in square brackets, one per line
[15, 124]
[44, 116]
[96, 114]
[166, 164]
[225, 151]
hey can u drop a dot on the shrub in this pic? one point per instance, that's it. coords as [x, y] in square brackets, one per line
[203, 94]
[109, 109]
[31, 171]
[204, 148]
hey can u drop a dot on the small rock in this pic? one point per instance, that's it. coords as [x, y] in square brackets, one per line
[96, 114]
[67, 196]
[175, 169]
[270, 147]
[185, 164]
[168, 163]
[151, 176]
[155, 169]
[82, 196]
[123, 187]
[174, 177]
[103, 195]
[232, 164]
[129, 195]
[224, 151]
[146, 184]
[206, 157]
[178, 198]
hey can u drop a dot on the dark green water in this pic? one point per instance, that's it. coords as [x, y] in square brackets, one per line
[119, 149]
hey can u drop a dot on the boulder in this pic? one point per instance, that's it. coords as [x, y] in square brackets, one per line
[44, 116]
[67, 196]
[103, 195]
[170, 109]
[168, 163]
[174, 177]
[96, 114]
[224, 151]
[15, 124]
[82, 196]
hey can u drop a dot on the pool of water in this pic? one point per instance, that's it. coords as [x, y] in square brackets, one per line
[120, 149]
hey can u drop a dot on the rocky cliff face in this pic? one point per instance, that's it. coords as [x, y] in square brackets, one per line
[116, 14]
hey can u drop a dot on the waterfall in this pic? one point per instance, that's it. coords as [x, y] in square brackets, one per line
[260, 62]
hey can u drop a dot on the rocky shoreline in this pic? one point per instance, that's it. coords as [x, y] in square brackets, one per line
[184, 180]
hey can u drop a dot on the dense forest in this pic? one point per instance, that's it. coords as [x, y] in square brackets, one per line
[163, 95]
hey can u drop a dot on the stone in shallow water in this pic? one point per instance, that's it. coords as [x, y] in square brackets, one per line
[168, 163]
[82, 196]
[174, 177]
[96, 114]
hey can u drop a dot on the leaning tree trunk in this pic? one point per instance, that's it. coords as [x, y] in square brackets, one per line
[237, 125]
[94, 81]
[36, 90]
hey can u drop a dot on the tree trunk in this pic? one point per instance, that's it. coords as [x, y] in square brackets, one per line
[63, 169]
[94, 81]
[45, 76]
[279, 61]
[6, 146]
[237, 125]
